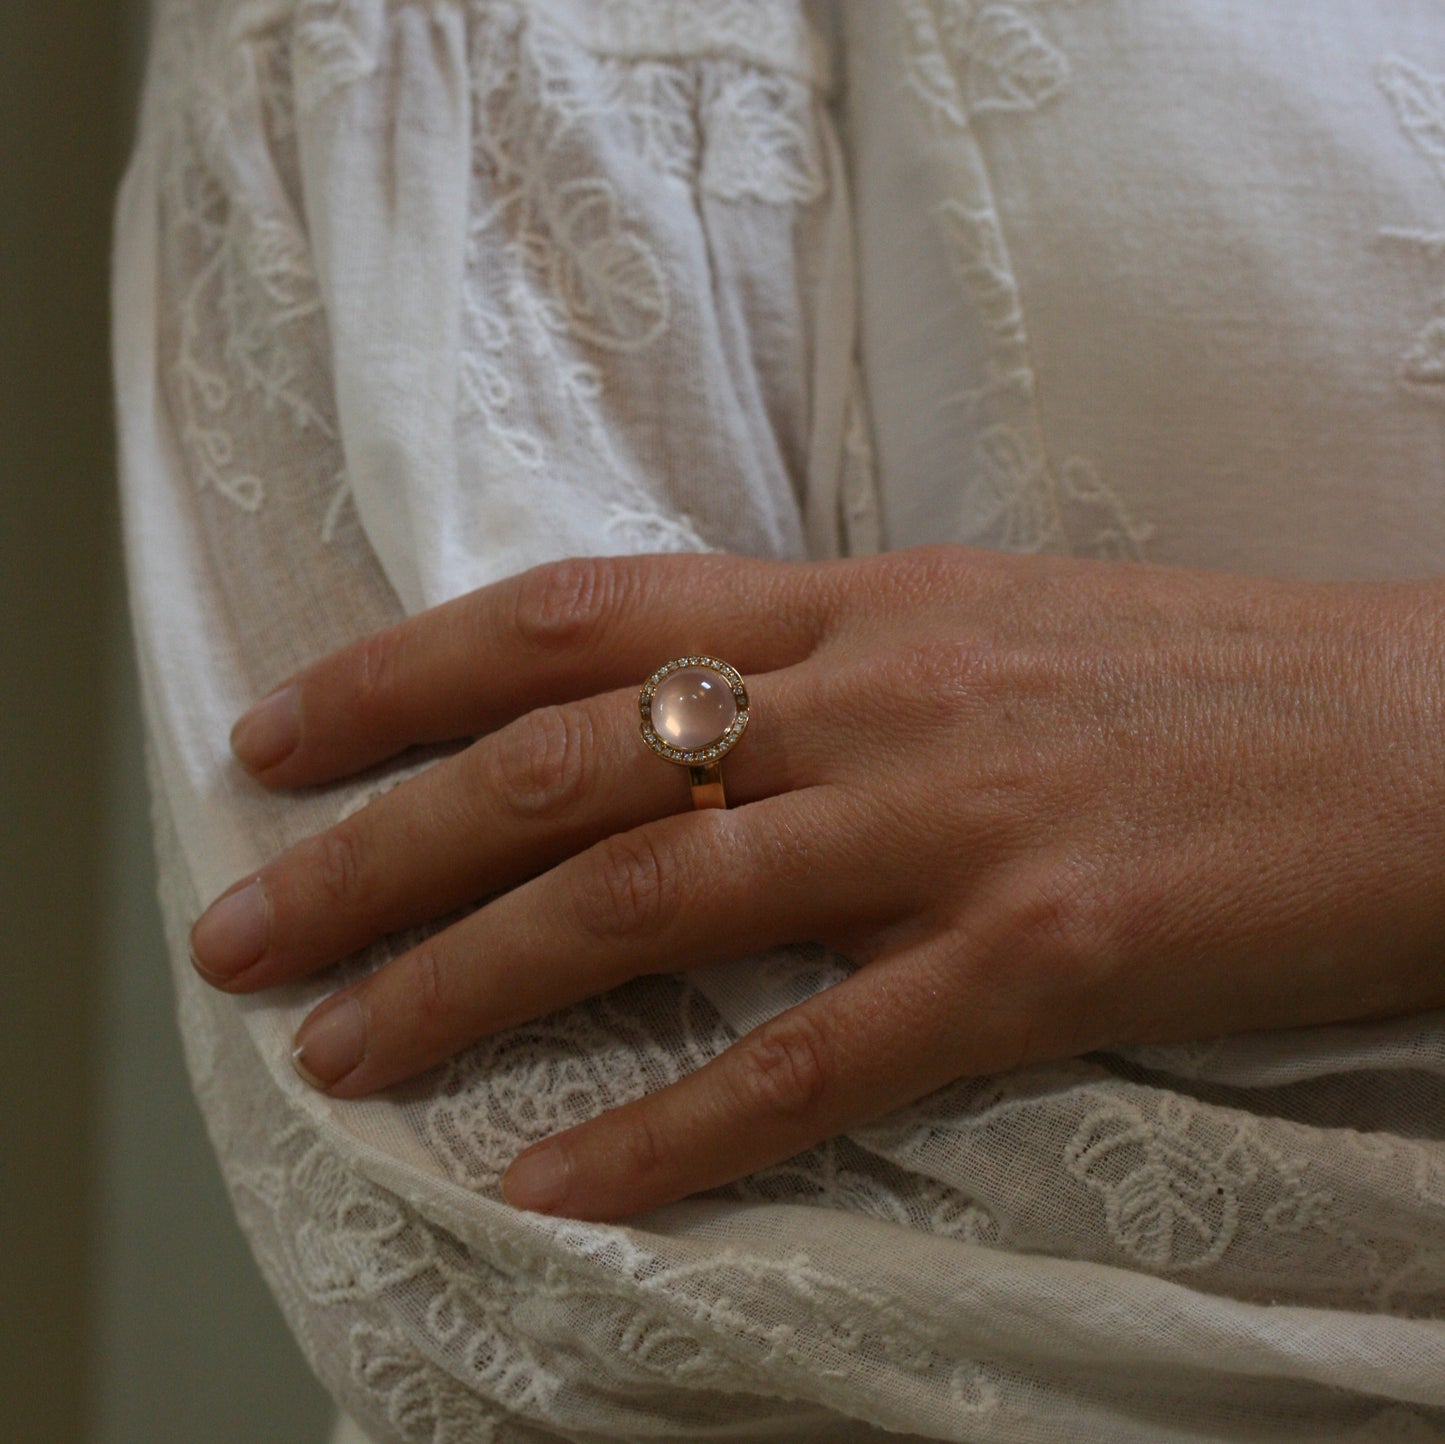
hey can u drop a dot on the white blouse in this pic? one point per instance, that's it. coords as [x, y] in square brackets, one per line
[412, 294]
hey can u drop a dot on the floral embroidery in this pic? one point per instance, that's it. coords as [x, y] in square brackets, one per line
[555, 271]
[818, 1176]
[350, 1242]
[514, 1088]
[336, 43]
[251, 266]
[417, 1399]
[762, 141]
[1418, 100]
[259, 278]
[1171, 1198]
[972, 56]
[965, 59]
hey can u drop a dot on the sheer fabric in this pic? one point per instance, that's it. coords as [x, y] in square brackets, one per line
[411, 294]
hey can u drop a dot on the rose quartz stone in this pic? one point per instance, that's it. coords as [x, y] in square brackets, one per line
[692, 707]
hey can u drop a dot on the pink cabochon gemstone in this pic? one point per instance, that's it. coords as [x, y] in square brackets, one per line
[692, 707]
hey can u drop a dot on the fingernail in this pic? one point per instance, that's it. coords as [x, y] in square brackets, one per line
[232, 933]
[329, 1044]
[538, 1179]
[269, 731]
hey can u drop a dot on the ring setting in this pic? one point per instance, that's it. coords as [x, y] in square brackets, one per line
[693, 710]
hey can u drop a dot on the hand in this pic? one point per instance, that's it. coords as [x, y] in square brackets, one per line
[1045, 805]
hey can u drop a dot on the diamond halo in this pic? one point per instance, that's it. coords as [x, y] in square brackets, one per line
[696, 756]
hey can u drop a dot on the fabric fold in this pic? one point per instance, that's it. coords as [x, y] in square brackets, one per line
[384, 141]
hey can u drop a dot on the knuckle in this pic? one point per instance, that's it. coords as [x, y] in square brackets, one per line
[542, 760]
[338, 864]
[426, 985]
[793, 855]
[916, 684]
[944, 665]
[633, 887]
[642, 1148]
[377, 672]
[783, 1071]
[1055, 920]
[910, 579]
[1057, 925]
[562, 602]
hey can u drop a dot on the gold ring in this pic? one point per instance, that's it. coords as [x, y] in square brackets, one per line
[693, 711]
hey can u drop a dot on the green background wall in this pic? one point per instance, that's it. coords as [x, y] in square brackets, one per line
[130, 1309]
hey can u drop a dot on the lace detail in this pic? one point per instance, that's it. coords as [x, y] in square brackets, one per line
[965, 59]
[551, 263]
[517, 1332]
[763, 33]
[1418, 100]
[421, 1402]
[554, 269]
[336, 42]
[546, 201]
[838, 1174]
[520, 1086]
[765, 145]
[1179, 1185]
[259, 279]
[1169, 1185]
[250, 266]
[496, 1329]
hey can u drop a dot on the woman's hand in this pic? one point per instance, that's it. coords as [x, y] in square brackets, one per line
[1046, 805]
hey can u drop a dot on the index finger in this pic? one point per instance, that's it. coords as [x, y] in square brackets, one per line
[556, 632]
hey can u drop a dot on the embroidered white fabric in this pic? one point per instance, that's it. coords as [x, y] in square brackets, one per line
[411, 294]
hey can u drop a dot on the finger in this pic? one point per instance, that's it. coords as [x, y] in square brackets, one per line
[515, 803]
[554, 633]
[675, 893]
[882, 1038]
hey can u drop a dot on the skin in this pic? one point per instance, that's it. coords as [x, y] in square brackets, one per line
[1045, 805]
